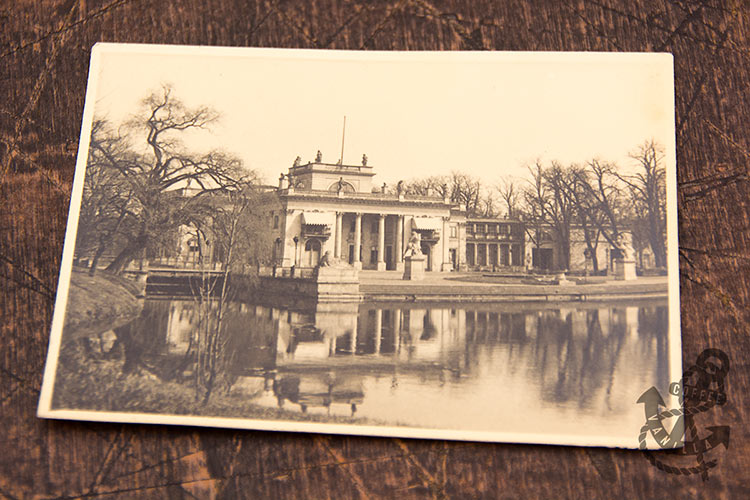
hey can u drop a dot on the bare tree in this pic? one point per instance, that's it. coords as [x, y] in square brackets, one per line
[648, 191]
[487, 204]
[157, 179]
[465, 190]
[559, 211]
[601, 208]
[510, 195]
[535, 198]
[107, 203]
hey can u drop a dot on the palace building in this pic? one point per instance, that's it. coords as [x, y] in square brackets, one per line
[332, 208]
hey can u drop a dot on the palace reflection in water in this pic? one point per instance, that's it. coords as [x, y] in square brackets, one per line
[512, 368]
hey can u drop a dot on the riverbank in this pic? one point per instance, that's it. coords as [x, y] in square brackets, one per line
[99, 303]
[468, 287]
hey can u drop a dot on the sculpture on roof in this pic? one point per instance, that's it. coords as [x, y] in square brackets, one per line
[400, 187]
[364, 160]
[319, 157]
[297, 161]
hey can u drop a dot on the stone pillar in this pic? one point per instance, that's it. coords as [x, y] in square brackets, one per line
[357, 241]
[399, 243]
[381, 243]
[339, 235]
[486, 254]
[445, 238]
[378, 329]
[476, 253]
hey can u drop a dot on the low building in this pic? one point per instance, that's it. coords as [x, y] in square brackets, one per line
[495, 244]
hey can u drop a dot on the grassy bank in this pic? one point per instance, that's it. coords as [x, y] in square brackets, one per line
[99, 303]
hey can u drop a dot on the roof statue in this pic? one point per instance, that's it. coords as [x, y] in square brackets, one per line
[319, 156]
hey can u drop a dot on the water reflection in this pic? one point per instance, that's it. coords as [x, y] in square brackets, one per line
[482, 367]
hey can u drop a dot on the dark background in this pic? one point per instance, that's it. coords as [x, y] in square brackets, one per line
[44, 56]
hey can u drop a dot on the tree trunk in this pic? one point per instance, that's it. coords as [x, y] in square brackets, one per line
[127, 254]
[95, 262]
[657, 243]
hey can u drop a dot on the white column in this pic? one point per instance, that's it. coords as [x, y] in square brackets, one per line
[339, 235]
[357, 241]
[381, 243]
[444, 237]
[399, 243]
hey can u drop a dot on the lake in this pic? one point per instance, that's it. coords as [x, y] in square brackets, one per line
[565, 369]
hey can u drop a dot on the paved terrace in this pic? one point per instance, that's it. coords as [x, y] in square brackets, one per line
[474, 287]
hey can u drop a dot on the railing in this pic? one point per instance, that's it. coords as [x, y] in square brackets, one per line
[316, 230]
[286, 272]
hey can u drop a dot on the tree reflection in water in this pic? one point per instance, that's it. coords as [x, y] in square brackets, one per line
[385, 361]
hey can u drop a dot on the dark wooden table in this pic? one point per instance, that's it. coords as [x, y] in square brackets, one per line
[44, 54]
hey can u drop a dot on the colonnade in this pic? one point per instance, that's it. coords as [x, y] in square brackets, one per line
[498, 253]
[381, 264]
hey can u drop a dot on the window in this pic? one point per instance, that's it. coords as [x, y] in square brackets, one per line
[353, 226]
[454, 231]
[275, 221]
[375, 227]
[493, 228]
[373, 255]
[481, 228]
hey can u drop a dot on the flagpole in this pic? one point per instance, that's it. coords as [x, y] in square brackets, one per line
[343, 135]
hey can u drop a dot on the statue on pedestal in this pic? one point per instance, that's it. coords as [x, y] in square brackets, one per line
[414, 247]
[319, 157]
[364, 160]
[297, 161]
[626, 247]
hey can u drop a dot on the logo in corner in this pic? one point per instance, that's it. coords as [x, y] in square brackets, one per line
[700, 389]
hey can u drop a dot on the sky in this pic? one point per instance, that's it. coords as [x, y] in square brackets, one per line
[414, 114]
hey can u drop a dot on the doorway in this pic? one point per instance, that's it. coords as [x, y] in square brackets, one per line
[426, 247]
[312, 253]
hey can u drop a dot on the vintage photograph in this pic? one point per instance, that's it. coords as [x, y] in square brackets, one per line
[473, 246]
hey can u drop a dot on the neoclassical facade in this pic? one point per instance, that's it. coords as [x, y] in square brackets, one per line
[333, 208]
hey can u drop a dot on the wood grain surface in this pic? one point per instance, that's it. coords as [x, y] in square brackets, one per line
[44, 55]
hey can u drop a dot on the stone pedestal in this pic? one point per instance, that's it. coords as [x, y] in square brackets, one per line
[381, 266]
[337, 283]
[447, 267]
[414, 267]
[562, 279]
[400, 266]
[624, 270]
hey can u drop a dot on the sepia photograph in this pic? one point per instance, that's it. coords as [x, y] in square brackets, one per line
[470, 246]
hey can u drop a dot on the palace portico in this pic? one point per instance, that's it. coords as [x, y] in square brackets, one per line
[332, 208]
